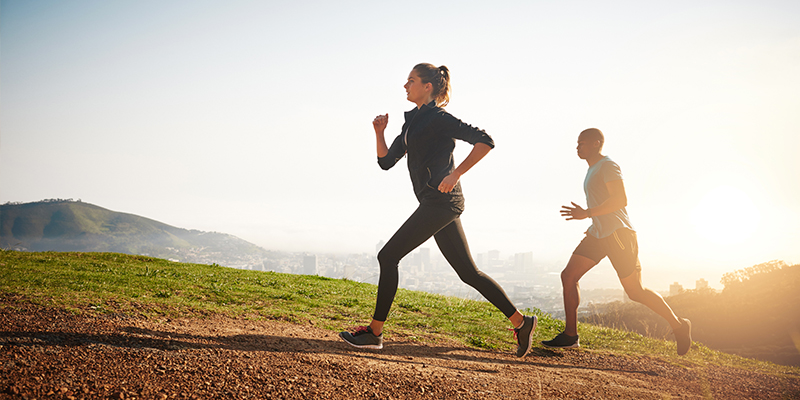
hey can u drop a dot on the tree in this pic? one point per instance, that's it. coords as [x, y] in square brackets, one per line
[731, 279]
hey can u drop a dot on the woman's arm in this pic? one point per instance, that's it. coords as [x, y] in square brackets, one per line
[479, 150]
[379, 123]
[387, 156]
[458, 129]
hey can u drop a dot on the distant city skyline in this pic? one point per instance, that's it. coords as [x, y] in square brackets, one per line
[520, 270]
[538, 287]
[254, 119]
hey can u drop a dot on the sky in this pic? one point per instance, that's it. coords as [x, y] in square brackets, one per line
[253, 118]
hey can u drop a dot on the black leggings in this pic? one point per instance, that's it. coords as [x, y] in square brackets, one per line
[445, 226]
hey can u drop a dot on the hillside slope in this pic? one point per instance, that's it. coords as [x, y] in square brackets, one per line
[757, 317]
[65, 225]
[102, 325]
[52, 353]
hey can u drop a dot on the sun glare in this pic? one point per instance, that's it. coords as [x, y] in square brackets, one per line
[726, 215]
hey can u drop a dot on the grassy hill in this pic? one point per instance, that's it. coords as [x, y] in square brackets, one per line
[144, 286]
[65, 225]
[757, 315]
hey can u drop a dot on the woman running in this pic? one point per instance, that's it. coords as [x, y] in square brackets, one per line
[428, 137]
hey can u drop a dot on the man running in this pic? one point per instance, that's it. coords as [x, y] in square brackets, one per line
[610, 235]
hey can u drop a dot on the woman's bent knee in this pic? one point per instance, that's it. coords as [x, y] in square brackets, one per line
[472, 277]
[387, 260]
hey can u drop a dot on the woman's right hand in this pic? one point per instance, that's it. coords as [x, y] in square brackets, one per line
[380, 122]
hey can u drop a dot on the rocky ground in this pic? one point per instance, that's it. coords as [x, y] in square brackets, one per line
[55, 354]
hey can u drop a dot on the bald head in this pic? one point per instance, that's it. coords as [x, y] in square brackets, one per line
[592, 134]
[590, 144]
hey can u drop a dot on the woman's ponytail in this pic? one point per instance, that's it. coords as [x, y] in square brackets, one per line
[439, 78]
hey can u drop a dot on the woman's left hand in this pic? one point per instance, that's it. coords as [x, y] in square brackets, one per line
[479, 150]
[449, 182]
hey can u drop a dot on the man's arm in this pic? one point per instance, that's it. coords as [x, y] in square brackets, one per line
[616, 200]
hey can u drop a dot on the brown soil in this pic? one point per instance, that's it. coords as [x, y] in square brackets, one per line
[54, 354]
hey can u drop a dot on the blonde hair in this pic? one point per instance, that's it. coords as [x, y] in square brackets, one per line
[439, 77]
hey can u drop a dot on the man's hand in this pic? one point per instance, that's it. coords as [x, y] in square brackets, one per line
[575, 212]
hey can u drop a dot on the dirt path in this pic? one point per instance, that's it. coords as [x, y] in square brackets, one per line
[50, 353]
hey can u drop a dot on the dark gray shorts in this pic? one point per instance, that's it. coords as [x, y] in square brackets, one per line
[621, 248]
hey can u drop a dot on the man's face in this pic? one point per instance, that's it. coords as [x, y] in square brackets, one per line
[587, 147]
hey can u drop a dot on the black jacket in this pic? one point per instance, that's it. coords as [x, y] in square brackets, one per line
[428, 137]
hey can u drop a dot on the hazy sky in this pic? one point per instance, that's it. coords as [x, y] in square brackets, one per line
[254, 118]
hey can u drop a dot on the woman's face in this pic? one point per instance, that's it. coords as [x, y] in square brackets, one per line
[416, 91]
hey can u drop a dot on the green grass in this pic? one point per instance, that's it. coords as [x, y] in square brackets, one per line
[150, 287]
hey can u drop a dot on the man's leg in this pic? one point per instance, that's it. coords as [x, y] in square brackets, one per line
[654, 301]
[681, 327]
[623, 250]
[572, 273]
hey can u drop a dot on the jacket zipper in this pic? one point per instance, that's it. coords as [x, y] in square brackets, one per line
[405, 135]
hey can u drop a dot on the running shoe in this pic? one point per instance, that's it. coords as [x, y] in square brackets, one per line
[563, 341]
[683, 336]
[363, 338]
[524, 335]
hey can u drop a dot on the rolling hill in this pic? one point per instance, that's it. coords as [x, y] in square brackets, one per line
[756, 316]
[108, 325]
[66, 225]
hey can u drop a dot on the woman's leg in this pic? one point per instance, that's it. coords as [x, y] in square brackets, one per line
[453, 244]
[418, 228]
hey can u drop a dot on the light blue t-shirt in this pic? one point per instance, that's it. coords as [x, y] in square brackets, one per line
[596, 191]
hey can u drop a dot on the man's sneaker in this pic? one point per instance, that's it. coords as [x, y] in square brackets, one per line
[683, 336]
[563, 341]
[524, 333]
[363, 338]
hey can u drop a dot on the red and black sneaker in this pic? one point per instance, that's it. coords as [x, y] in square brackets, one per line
[524, 335]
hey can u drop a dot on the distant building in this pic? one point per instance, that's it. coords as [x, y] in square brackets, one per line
[310, 264]
[523, 263]
[675, 288]
[701, 284]
[425, 259]
[411, 260]
[491, 260]
[349, 272]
